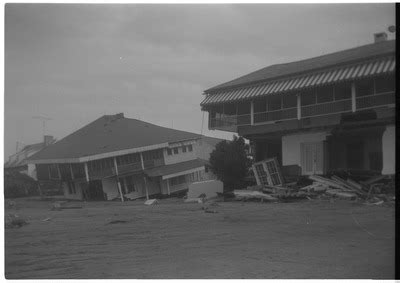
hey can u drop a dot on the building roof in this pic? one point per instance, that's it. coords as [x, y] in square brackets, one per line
[16, 162]
[211, 140]
[110, 135]
[175, 168]
[321, 62]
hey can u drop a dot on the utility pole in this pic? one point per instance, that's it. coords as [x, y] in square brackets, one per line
[44, 120]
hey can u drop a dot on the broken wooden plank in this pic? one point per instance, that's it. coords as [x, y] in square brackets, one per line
[252, 194]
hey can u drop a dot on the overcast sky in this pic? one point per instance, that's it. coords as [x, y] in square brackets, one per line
[75, 63]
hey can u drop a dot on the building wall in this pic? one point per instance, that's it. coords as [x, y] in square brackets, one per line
[389, 150]
[77, 196]
[110, 187]
[203, 149]
[291, 154]
[181, 156]
[200, 176]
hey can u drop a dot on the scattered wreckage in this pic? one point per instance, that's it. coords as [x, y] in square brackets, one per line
[342, 184]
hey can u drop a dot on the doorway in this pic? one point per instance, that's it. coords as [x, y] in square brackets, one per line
[95, 190]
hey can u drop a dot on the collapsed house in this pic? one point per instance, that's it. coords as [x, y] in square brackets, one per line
[120, 158]
[316, 115]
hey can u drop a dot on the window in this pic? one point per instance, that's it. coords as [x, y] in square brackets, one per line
[260, 105]
[343, 91]
[177, 180]
[289, 101]
[183, 148]
[364, 87]
[274, 103]
[169, 151]
[308, 98]
[384, 84]
[190, 147]
[230, 109]
[152, 154]
[176, 150]
[54, 171]
[244, 108]
[71, 188]
[127, 184]
[325, 94]
[128, 159]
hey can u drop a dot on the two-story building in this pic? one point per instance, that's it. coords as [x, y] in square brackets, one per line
[324, 113]
[116, 156]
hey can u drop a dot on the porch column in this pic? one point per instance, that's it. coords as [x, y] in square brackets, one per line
[252, 112]
[298, 106]
[58, 170]
[86, 172]
[353, 97]
[141, 160]
[72, 172]
[167, 180]
[145, 187]
[118, 183]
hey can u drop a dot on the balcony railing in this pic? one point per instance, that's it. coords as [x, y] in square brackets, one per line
[126, 168]
[338, 106]
[372, 101]
[153, 163]
[276, 115]
[229, 121]
[314, 110]
[103, 173]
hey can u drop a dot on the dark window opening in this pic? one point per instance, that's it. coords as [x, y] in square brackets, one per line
[243, 108]
[289, 101]
[324, 94]
[364, 87]
[343, 91]
[308, 98]
[274, 103]
[385, 84]
[260, 105]
[230, 109]
[176, 150]
[190, 147]
[183, 148]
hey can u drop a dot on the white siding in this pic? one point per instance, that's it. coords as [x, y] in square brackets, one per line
[181, 156]
[389, 150]
[291, 152]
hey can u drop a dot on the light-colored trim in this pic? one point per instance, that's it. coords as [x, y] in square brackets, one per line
[182, 143]
[169, 192]
[252, 112]
[99, 156]
[298, 106]
[165, 177]
[72, 172]
[353, 97]
[145, 186]
[115, 166]
[86, 172]
[141, 160]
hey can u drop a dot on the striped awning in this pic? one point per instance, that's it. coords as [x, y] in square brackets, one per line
[329, 76]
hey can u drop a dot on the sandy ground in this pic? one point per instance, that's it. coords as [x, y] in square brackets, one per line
[308, 239]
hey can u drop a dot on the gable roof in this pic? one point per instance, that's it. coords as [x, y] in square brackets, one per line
[325, 61]
[108, 136]
[211, 140]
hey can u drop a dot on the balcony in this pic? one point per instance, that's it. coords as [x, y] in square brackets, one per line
[336, 106]
[127, 168]
[153, 163]
[102, 173]
[372, 101]
[277, 115]
[320, 109]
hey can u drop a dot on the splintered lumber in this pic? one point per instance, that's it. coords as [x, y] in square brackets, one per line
[374, 179]
[245, 194]
[327, 182]
[340, 194]
[357, 185]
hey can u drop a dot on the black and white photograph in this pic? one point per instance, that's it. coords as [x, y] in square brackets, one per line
[199, 141]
